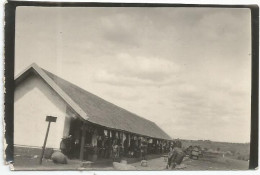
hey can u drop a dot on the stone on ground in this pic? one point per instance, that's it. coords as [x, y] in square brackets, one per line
[58, 157]
[86, 164]
[181, 166]
[122, 166]
[144, 163]
[123, 161]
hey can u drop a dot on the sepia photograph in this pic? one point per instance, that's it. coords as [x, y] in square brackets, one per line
[132, 88]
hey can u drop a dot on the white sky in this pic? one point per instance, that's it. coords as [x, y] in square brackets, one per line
[186, 69]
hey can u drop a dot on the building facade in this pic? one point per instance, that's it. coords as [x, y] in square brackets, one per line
[83, 116]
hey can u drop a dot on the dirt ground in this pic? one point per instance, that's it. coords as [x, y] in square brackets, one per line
[213, 163]
[218, 163]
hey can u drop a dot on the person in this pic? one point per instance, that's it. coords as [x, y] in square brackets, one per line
[107, 147]
[164, 147]
[120, 149]
[66, 145]
[167, 147]
[175, 157]
[178, 143]
[126, 147]
[131, 148]
[115, 150]
[143, 149]
[154, 148]
[100, 146]
[136, 148]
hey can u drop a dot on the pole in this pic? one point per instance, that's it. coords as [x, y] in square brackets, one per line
[81, 154]
[44, 144]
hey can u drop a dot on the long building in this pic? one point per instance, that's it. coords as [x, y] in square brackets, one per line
[39, 93]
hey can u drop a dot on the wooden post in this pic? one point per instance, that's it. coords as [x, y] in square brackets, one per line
[82, 145]
[48, 119]
[44, 144]
[108, 133]
[129, 139]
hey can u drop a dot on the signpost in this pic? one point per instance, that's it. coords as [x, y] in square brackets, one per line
[48, 119]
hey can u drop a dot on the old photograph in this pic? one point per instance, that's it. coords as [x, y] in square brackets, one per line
[132, 88]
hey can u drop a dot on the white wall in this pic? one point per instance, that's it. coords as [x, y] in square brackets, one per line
[33, 101]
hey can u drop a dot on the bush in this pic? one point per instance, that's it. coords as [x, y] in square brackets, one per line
[233, 152]
[229, 153]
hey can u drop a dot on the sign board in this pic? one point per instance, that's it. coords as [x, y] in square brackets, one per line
[48, 119]
[51, 119]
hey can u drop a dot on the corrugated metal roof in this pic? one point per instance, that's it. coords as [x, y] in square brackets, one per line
[104, 113]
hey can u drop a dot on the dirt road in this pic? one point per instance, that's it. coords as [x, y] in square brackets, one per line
[218, 163]
[213, 163]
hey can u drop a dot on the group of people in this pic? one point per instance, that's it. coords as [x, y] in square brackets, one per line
[134, 147]
[116, 148]
[108, 147]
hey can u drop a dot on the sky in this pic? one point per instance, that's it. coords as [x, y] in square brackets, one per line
[186, 69]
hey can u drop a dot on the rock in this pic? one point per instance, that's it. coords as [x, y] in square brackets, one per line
[181, 166]
[123, 161]
[86, 164]
[35, 156]
[121, 166]
[144, 163]
[58, 157]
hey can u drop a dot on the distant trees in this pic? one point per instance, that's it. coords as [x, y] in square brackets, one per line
[233, 152]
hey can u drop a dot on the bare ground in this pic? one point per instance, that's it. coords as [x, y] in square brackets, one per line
[218, 163]
[206, 163]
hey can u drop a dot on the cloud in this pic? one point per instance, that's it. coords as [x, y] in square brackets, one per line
[138, 70]
[103, 76]
[117, 30]
[187, 69]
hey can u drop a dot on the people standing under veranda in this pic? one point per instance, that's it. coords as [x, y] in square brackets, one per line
[126, 147]
[115, 150]
[132, 147]
[143, 149]
[100, 146]
[107, 147]
[120, 149]
[66, 145]
[136, 148]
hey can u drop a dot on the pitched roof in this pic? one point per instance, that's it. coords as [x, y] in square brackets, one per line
[97, 110]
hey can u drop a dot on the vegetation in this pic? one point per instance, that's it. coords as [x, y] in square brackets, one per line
[238, 151]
